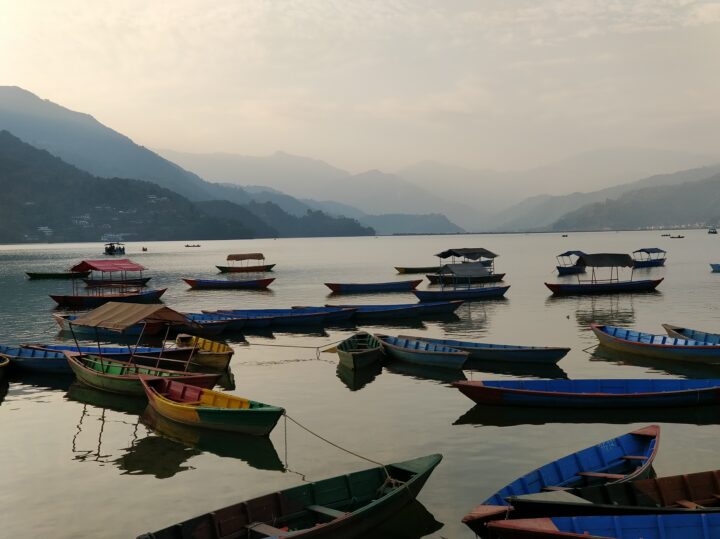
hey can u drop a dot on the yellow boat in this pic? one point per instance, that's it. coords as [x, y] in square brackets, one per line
[210, 354]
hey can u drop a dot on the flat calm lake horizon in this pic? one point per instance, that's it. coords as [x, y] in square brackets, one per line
[79, 463]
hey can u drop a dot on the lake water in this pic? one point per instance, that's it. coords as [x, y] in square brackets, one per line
[76, 463]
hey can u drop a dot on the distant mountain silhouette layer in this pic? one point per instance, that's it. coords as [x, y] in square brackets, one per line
[691, 203]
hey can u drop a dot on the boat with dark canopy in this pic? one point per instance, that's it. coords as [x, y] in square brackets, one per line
[695, 526]
[611, 285]
[594, 393]
[344, 507]
[566, 265]
[649, 257]
[112, 272]
[470, 272]
[656, 346]
[471, 254]
[245, 268]
[687, 493]
[624, 458]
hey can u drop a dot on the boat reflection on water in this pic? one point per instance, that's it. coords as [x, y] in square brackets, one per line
[84, 394]
[420, 372]
[399, 323]
[157, 456]
[227, 380]
[4, 386]
[686, 369]
[412, 522]
[257, 451]
[356, 379]
[58, 381]
[511, 416]
[516, 369]
[473, 317]
[613, 309]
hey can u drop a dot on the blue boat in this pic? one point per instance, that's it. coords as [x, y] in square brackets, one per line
[694, 526]
[30, 359]
[466, 294]
[594, 393]
[423, 353]
[629, 341]
[303, 316]
[692, 334]
[715, 268]
[122, 353]
[617, 460]
[403, 310]
[649, 257]
[502, 352]
[364, 288]
[214, 323]
[566, 265]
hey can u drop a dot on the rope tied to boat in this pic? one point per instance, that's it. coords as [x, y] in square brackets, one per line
[389, 480]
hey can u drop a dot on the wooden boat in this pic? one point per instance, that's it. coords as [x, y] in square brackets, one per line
[359, 288]
[123, 377]
[712, 230]
[114, 248]
[614, 287]
[122, 353]
[35, 275]
[678, 237]
[687, 493]
[502, 352]
[369, 313]
[715, 268]
[649, 257]
[343, 507]
[96, 299]
[204, 408]
[416, 269]
[360, 351]
[207, 353]
[219, 322]
[29, 359]
[437, 278]
[422, 353]
[619, 459]
[695, 526]
[593, 393]
[566, 265]
[466, 294]
[656, 346]
[214, 284]
[257, 268]
[64, 321]
[692, 334]
[302, 316]
[140, 281]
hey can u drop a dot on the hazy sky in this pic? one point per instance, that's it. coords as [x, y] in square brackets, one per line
[503, 84]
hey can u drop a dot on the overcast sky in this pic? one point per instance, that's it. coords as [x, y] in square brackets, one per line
[379, 84]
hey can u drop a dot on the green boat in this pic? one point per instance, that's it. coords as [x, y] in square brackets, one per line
[34, 275]
[123, 377]
[342, 507]
[360, 351]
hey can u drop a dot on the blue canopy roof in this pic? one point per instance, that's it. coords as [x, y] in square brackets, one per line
[650, 250]
[570, 253]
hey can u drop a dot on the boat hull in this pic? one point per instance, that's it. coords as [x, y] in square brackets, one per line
[436, 278]
[32, 360]
[575, 289]
[654, 263]
[360, 288]
[90, 301]
[58, 275]
[503, 352]
[593, 393]
[693, 334]
[360, 351]
[412, 351]
[140, 281]
[416, 269]
[209, 284]
[669, 348]
[246, 269]
[124, 378]
[369, 313]
[715, 268]
[465, 294]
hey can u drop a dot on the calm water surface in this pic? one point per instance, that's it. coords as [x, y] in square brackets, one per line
[77, 463]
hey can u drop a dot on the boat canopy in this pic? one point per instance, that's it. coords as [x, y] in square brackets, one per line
[247, 256]
[572, 253]
[464, 271]
[470, 253]
[118, 316]
[605, 260]
[108, 265]
[651, 250]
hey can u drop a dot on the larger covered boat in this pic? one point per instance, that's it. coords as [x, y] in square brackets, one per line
[244, 264]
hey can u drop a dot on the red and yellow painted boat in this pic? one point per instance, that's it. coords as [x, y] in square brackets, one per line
[195, 406]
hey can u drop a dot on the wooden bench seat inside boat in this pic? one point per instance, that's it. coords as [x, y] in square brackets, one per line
[634, 457]
[602, 475]
[327, 511]
[265, 530]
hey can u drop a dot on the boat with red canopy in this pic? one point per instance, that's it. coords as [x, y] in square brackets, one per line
[112, 272]
[245, 268]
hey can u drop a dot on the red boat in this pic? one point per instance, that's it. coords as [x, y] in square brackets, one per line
[112, 272]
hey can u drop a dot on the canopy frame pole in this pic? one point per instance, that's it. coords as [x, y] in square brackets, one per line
[72, 330]
[97, 340]
[137, 344]
[162, 344]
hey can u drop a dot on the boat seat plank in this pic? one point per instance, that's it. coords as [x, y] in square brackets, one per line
[327, 511]
[687, 504]
[634, 457]
[265, 529]
[601, 475]
[552, 489]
